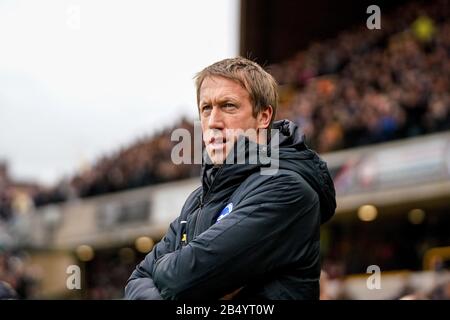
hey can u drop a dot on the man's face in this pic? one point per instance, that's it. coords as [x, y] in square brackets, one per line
[223, 105]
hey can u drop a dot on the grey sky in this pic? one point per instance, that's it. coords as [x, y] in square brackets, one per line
[79, 79]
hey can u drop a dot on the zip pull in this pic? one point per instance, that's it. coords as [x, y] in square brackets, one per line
[183, 233]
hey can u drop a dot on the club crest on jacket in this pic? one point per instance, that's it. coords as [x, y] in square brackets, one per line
[225, 211]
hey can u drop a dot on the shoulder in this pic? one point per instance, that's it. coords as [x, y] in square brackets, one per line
[294, 182]
[194, 194]
[281, 181]
[279, 176]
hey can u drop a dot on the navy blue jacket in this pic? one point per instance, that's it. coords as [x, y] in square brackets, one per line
[245, 230]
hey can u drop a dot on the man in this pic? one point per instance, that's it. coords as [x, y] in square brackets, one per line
[243, 234]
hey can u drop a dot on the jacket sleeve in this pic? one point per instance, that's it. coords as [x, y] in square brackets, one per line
[253, 240]
[140, 285]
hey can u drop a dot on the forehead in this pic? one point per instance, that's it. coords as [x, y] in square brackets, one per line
[216, 87]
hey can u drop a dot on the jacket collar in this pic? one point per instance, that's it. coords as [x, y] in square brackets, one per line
[247, 158]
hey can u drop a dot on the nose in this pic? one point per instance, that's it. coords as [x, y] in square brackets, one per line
[215, 120]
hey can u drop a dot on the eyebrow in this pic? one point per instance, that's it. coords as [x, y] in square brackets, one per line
[220, 101]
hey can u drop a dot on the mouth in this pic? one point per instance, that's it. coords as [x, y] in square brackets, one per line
[217, 143]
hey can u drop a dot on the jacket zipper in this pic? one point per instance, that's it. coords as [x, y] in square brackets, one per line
[203, 200]
[183, 233]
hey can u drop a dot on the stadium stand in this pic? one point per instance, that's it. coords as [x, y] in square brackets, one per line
[355, 89]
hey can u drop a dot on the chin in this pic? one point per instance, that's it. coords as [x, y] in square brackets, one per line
[217, 160]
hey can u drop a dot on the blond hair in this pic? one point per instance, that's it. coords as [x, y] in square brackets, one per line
[260, 85]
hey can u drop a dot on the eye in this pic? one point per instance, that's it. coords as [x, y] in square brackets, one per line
[229, 106]
[206, 108]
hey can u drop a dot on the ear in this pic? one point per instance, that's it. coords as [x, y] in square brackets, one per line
[264, 117]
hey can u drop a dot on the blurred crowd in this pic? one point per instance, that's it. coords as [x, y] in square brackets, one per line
[16, 198]
[147, 161]
[431, 285]
[365, 86]
[360, 87]
[395, 245]
[17, 279]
